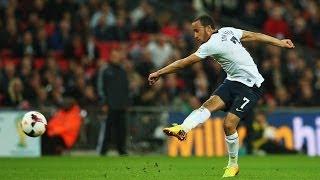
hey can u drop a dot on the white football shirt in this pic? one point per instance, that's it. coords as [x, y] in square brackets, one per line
[225, 47]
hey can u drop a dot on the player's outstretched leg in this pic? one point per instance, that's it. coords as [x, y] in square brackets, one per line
[230, 124]
[198, 116]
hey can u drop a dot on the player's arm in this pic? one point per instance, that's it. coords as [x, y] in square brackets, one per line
[173, 67]
[253, 36]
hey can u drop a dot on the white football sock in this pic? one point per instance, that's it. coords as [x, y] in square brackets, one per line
[233, 148]
[196, 117]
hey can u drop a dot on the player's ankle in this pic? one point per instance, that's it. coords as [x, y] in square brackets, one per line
[233, 164]
[184, 128]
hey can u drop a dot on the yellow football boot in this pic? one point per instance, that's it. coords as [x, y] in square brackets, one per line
[231, 171]
[176, 131]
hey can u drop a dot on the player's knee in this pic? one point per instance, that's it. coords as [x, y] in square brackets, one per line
[229, 127]
[206, 105]
[213, 104]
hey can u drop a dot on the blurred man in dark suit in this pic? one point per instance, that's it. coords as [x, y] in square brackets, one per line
[113, 88]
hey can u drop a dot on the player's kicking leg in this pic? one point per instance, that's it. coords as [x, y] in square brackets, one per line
[230, 124]
[198, 116]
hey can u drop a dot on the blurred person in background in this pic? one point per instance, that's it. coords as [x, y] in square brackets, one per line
[143, 64]
[27, 46]
[171, 85]
[276, 25]
[63, 128]
[150, 96]
[317, 76]
[42, 45]
[106, 12]
[113, 89]
[251, 14]
[14, 96]
[305, 95]
[149, 22]
[91, 50]
[121, 29]
[7, 74]
[25, 69]
[282, 97]
[135, 82]
[160, 50]
[139, 12]
[264, 137]
[75, 48]
[9, 35]
[61, 35]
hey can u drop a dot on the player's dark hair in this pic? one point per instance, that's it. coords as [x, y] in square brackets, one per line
[205, 20]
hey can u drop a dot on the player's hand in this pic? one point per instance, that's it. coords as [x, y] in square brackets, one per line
[153, 78]
[287, 43]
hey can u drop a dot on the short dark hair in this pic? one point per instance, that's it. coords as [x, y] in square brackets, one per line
[205, 20]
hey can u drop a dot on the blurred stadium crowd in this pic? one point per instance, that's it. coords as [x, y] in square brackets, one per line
[54, 49]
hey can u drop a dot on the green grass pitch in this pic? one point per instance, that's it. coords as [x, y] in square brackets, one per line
[158, 167]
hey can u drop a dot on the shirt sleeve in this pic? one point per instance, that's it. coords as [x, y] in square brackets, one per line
[207, 49]
[237, 32]
[202, 52]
